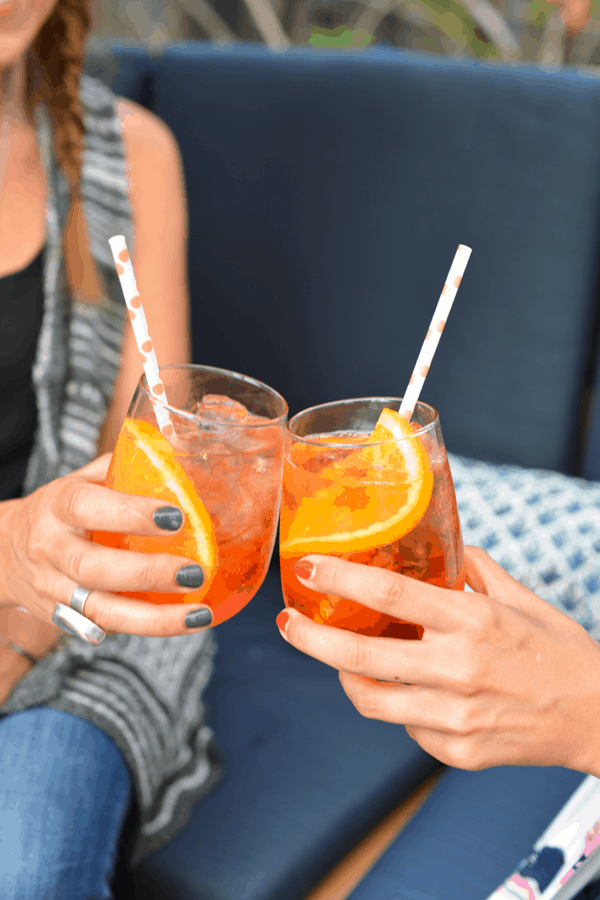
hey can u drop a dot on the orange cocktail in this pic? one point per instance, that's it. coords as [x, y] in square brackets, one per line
[222, 467]
[362, 484]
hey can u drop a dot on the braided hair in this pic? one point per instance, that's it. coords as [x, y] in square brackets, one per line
[53, 67]
[54, 64]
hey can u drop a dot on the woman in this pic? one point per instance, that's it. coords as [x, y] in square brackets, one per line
[77, 166]
[502, 685]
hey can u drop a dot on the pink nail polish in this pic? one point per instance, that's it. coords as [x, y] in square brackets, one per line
[304, 569]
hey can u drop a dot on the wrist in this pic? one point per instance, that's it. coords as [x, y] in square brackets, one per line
[585, 755]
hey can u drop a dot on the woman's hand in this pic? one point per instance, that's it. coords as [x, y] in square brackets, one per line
[499, 678]
[44, 554]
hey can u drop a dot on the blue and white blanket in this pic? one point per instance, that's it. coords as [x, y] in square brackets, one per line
[542, 527]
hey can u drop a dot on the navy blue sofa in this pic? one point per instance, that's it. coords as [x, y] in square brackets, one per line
[328, 193]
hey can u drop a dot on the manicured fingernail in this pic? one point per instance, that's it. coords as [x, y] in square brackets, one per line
[282, 619]
[190, 576]
[304, 569]
[198, 618]
[168, 517]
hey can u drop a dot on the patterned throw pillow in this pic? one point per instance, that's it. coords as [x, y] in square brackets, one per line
[542, 527]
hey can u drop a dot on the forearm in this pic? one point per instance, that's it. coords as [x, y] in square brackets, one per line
[585, 749]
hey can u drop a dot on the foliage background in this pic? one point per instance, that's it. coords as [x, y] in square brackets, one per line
[545, 31]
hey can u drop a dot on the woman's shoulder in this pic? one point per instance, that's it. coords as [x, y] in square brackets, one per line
[147, 137]
[118, 127]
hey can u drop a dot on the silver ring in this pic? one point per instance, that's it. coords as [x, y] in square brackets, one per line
[73, 623]
[78, 598]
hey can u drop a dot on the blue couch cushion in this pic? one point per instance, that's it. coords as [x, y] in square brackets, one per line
[304, 775]
[591, 458]
[129, 71]
[471, 834]
[328, 193]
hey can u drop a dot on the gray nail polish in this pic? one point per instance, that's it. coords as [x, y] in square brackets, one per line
[198, 618]
[168, 517]
[190, 576]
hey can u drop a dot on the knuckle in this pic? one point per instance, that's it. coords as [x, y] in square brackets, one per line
[333, 570]
[388, 593]
[142, 571]
[358, 656]
[484, 619]
[366, 704]
[463, 753]
[468, 675]
[111, 618]
[38, 580]
[76, 565]
[159, 570]
[461, 721]
[75, 500]
[34, 545]
[37, 538]
[478, 553]
[149, 571]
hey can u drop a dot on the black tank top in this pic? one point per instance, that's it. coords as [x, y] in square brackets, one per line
[21, 310]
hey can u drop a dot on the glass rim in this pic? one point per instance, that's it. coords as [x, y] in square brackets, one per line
[247, 379]
[313, 441]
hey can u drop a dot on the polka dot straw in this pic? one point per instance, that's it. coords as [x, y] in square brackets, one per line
[434, 333]
[140, 330]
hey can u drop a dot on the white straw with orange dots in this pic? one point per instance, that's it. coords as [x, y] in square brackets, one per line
[137, 316]
[434, 333]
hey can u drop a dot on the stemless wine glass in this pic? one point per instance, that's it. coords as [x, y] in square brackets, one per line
[222, 466]
[382, 502]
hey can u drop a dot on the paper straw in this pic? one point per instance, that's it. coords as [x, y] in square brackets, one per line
[434, 333]
[137, 317]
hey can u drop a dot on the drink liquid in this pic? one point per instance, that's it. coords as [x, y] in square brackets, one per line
[237, 475]
[431, 552]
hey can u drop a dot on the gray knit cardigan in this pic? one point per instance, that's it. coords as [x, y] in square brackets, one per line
[143, 692]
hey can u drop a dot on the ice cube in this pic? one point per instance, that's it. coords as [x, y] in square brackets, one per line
[217, 407]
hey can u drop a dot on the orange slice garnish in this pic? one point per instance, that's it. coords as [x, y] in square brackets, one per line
[375, 496]
[144, 464]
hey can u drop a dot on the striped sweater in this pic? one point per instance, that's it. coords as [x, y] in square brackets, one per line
[144, 692]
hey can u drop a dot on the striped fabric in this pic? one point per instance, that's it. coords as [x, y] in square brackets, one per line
[144, 692]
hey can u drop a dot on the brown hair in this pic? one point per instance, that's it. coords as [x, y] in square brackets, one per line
[54, 65]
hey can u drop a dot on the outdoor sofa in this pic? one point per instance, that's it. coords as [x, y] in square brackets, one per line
[328, 192]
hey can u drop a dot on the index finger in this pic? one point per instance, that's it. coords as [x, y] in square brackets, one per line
[396, 595]
[386, 659]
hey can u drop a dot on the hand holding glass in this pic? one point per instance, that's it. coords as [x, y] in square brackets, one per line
[221, 467]
[362, 484]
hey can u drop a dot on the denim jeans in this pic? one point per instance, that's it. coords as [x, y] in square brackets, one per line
[64, 795]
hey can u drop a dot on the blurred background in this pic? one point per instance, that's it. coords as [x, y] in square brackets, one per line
[563, 31]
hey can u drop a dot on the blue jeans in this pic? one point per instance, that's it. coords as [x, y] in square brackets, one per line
[64, 795]
[65, 791]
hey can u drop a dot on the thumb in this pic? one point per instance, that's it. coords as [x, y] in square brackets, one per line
[485, 576]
